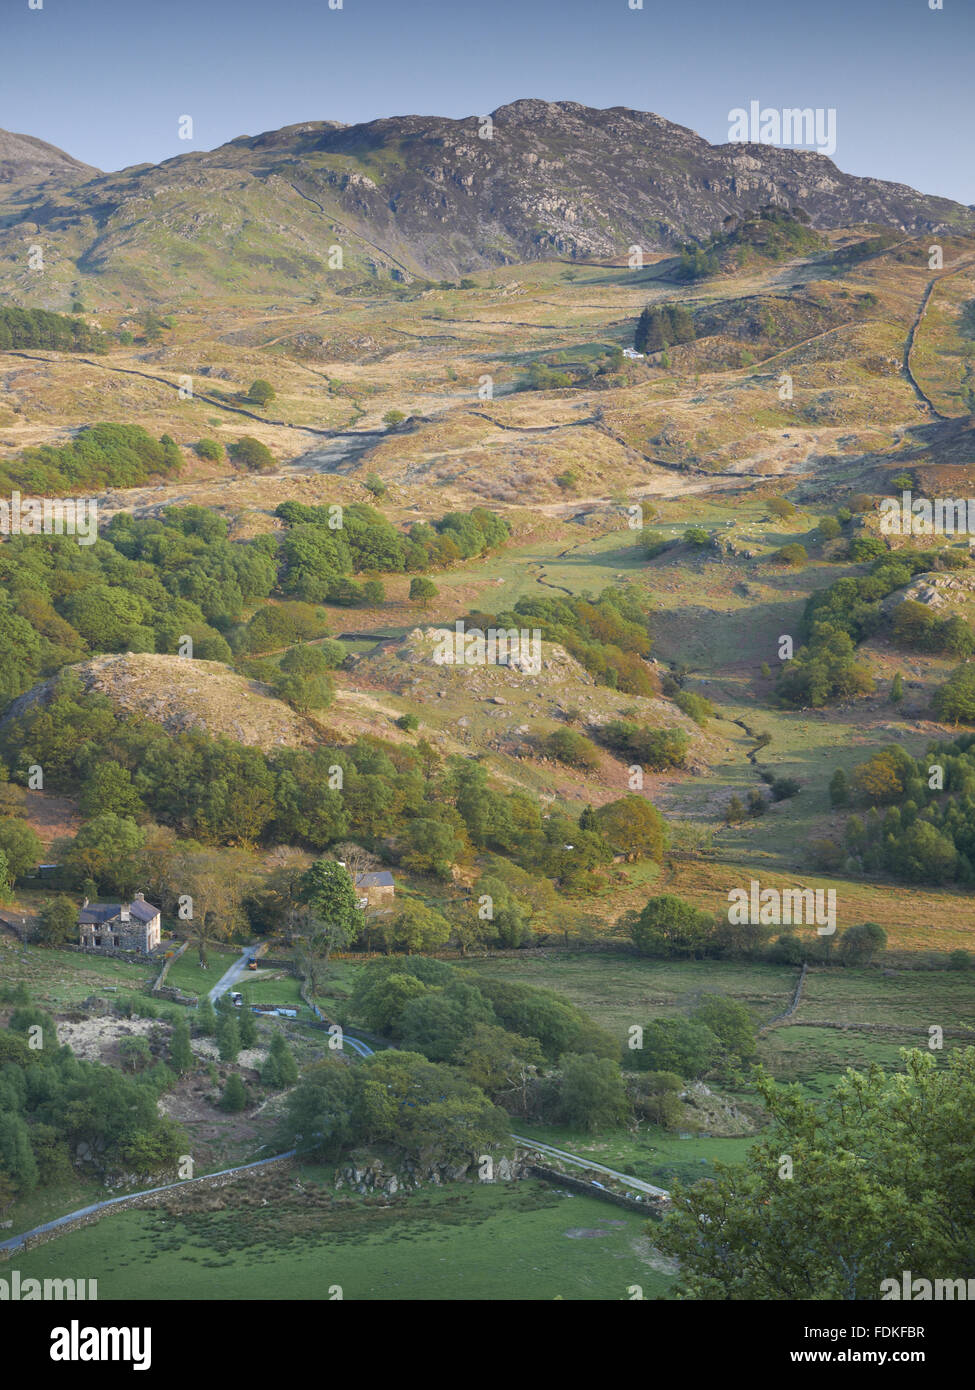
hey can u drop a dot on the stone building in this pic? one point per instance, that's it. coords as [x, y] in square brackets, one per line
[375, 890]
[134, 926]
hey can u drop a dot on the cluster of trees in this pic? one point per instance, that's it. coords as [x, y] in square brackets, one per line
[141, 588]
[318, 555]
[919, 628]
[596, 371]
[670, 928]
[526, 1050]
[774, 233]
[915, 817]
[38, 328]
[56, 1110]
[608, 635]
[661, 325]
[849, 610]
[430, 814]
[99, 456]
[424, 1112]
[879, 1180]
[824, 669]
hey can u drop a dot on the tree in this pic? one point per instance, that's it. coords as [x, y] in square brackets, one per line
[781, 508]
[58, 922]
[897, 688]
[434, 846]
[214, 883]
[633, 826]
[422, 590]
[735, 810]
[682, 1045]
[109, 785]
[21, 845]
[730, 1022]
[246, 1026]
[438, 1021]
[669, 926]
[591, 1093]
[106, 850]
[655, 1096]
[228, 1037]
[417, 927]
[499, 1062]
[206, 1019]
[234, 1098]
[858, 945]
[135, 1053]
[881, 1180]
[954, 702]
[262, 393]
[180, 1051]
[331, 896]
[280, 1069]
[839, 788]
[392, 418]
[16, 1155]
[251, 454]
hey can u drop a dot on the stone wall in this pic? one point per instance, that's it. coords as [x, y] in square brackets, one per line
[648, 1206]
[211, 1181]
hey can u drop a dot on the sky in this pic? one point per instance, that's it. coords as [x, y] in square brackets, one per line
[108, 80]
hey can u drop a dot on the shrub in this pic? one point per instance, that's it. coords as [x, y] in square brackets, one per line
[572, 748]
[792, 555]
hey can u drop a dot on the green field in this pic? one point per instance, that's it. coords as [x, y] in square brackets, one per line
[621, 990]
[185, 973]
[430, 1245]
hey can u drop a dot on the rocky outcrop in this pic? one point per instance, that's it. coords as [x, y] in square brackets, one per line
[428, 196]
[368, 1173]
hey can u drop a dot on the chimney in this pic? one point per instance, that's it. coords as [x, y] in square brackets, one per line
[85, 903]
[140, 897]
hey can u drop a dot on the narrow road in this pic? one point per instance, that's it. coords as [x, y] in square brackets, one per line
[234, 973]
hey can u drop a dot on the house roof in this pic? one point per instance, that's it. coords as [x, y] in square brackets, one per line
[383, 879]
[97, 913]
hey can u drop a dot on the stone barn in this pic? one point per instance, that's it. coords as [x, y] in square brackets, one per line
[375, 890]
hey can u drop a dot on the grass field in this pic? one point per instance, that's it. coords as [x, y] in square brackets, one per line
[185, 973]
[544, 1245]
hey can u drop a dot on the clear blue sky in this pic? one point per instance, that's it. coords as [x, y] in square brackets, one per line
[107, 80]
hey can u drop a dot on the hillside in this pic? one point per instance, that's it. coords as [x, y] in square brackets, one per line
[25, 160]
[182, 695]
[418, 196]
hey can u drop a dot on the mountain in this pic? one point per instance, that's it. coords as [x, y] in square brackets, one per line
[425, 196]
[26, 161]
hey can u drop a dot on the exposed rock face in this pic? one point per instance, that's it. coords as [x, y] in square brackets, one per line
[424, 195]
